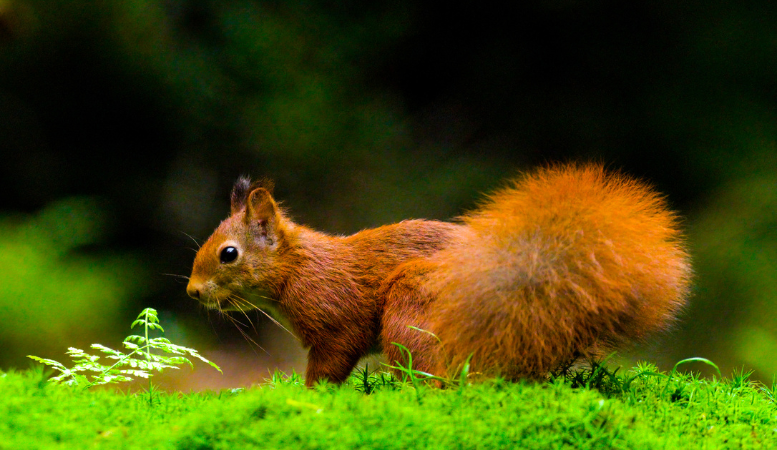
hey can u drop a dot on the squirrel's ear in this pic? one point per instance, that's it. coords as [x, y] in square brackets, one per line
[262, 211]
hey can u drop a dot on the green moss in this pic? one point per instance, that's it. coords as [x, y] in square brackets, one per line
[650, 411]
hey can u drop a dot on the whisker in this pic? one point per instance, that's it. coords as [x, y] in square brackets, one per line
[234, 300]
[175, 275]
[267, 315]
[234, 320]
[245, 302]
[246, 336]
[210, 321]
[277, 323]
[192, 238]
[237, 299]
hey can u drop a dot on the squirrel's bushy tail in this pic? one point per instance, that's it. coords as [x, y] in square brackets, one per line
[567, 260]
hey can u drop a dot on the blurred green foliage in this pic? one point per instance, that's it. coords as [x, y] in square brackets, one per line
[52, 288]
[736, 275]
[368, 113]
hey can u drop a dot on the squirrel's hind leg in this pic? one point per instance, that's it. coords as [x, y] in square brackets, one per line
[405, 321]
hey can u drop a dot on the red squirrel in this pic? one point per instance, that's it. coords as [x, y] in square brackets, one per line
[562, 263]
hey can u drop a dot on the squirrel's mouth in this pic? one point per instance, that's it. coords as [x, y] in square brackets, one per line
[230, 303]
[210, 295]
[232, 298]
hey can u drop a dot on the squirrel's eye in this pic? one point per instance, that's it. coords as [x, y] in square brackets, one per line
[228, 255]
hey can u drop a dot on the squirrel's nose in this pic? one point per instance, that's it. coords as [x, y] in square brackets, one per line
[193, 290]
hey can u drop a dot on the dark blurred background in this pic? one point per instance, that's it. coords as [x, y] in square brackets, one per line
[123, 125]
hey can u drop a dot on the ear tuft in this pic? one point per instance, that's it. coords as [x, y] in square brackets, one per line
[240, 193]
[243, 187]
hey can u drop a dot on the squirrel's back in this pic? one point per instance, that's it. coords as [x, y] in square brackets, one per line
[565, 261]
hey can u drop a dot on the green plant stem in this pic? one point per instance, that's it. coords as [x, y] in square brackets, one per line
[148, 355]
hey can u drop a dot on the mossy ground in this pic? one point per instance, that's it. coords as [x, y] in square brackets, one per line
[640, 409]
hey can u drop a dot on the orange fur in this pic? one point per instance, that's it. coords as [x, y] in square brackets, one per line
[565, 261]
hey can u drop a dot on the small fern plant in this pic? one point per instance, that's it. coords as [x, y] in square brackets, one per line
[139, 362]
